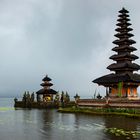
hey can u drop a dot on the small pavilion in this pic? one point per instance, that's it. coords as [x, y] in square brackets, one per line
[123, 82]
[46, 92]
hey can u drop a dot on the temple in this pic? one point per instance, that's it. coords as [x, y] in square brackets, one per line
[46, 91]
[123, 82]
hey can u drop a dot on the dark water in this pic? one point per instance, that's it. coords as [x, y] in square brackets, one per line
[24, 124]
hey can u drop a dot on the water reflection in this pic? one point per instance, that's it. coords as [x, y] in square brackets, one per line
[71, 126]
[47, 121]
[121, 122]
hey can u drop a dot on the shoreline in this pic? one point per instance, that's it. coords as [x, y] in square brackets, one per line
[98, 112]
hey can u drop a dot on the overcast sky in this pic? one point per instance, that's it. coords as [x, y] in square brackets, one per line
[70, 40]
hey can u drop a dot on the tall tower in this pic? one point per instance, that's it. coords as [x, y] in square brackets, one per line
[46, 91]
[123, 82]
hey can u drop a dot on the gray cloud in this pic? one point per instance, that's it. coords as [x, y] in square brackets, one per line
[70, 40]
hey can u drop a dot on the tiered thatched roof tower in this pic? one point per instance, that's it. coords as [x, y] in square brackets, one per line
[123, 82]
[46, 91]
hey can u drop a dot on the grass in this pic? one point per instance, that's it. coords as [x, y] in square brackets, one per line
[132, 113]
[6, 108]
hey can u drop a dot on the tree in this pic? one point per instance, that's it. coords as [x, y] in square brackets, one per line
[32, 97]
[24, 97]
[67, 97]
[15, 100]
[28, 96]
[62, 96]
[57, 99]
[62, 99]
[77, 97]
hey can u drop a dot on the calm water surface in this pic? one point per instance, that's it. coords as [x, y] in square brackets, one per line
[24, 124]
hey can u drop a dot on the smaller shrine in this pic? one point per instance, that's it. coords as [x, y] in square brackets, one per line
[45, 97]
[46, 93]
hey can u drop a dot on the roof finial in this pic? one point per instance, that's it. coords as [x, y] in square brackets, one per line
[123, 10]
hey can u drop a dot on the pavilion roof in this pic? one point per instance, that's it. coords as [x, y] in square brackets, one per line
[116, 78]
[46, 91]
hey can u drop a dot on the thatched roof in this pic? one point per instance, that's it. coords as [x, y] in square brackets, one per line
[123, 10]
[116, 78]
[46, 91]
[120, 24]
[124, 48]
[46, 78]
[123, 66]
[46, 84]
[119, 35]
[121, 19]
[122, 15]
[122, 29]
[126, 40]
[124, 55]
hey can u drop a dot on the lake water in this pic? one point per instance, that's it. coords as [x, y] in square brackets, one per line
[34, 124]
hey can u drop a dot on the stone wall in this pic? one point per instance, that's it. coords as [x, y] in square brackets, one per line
[118, 103]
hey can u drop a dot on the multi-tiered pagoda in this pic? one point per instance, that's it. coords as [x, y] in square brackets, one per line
[46, 91]
[124, 81]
